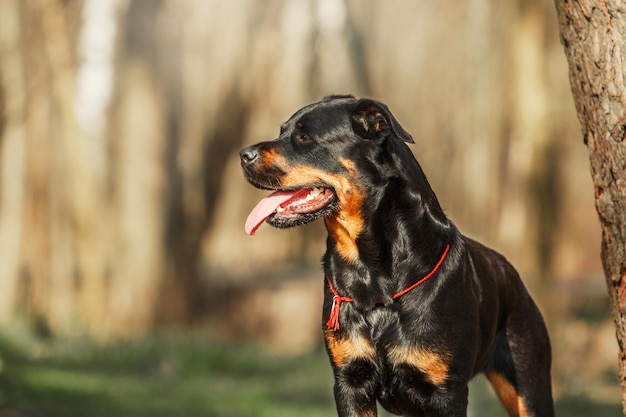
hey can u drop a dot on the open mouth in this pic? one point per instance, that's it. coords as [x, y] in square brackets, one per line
[291, 208]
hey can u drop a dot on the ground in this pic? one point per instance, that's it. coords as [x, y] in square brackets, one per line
[187, 374]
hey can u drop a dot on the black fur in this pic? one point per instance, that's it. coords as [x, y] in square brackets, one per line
[413, 354]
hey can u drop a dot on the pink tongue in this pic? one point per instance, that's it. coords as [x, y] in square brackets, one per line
[266, 207]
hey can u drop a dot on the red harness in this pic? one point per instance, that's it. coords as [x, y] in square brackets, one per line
[333, 321]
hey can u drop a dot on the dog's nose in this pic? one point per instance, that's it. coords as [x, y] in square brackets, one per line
[249, 155]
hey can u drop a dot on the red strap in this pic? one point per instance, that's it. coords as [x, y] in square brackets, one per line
[333, 321]
[430, 274]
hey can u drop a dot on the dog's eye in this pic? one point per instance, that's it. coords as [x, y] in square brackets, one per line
[303, 138]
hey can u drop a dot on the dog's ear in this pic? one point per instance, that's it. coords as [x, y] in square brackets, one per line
[372, 119]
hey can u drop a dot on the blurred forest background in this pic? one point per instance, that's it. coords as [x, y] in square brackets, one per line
[122, 203]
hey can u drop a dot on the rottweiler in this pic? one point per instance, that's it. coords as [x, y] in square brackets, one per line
[412, 308]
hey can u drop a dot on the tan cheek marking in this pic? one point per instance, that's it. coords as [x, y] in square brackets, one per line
[270, 158]
[342, 233]
[301, 175]
[432, 364]
[343, 349]
[348, 224]
[347, 164]
[509, 397]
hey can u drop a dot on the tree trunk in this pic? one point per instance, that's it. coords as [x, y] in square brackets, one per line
[593, 33]
[12, 138]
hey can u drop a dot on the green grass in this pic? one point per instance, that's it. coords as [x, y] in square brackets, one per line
[172, 374]
[159, 375]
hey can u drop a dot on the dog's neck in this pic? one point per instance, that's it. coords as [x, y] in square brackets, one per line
[396, 202]
[391, 251]
[385, 239]
[390, 236]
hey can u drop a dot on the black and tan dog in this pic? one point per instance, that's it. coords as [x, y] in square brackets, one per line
[412, 308]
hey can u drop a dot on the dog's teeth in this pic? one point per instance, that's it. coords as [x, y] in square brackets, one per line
[312, 195]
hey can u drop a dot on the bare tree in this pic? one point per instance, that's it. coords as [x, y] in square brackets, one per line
[593, 34]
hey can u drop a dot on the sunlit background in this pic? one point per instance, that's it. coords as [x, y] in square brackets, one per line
[127, 283]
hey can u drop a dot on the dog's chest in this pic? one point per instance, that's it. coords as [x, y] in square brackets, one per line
[401, 364]
[402, 352]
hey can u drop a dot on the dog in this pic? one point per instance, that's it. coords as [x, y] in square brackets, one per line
[412, 308]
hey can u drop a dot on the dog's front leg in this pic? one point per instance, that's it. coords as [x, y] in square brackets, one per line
[357, 379]
[356, 389]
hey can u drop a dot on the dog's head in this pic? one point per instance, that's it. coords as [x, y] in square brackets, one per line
[326, 159]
